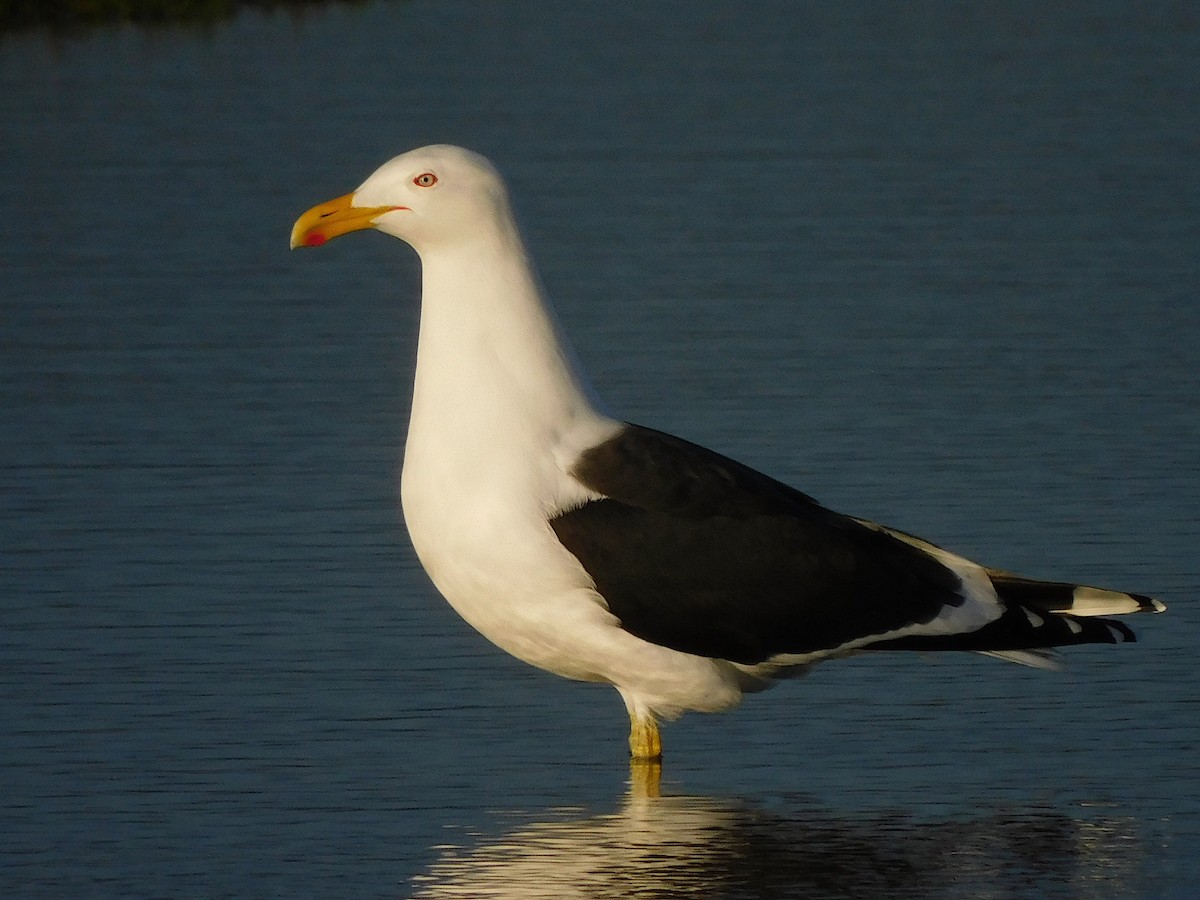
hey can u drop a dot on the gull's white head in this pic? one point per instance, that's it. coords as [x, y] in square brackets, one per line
[425, 197]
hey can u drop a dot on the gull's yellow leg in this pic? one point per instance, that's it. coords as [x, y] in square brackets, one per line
[645, 752]
[644, 740]
[645, 776]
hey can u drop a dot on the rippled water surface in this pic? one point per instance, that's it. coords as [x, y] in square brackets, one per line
[937, 268]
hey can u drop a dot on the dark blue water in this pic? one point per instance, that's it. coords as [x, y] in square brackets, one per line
[936, 267]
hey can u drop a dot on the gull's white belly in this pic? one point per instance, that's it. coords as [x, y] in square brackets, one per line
[505, 572]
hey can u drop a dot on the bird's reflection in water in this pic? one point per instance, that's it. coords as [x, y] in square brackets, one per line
[674, 846]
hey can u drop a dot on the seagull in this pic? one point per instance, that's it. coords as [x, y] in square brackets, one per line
[609, 552]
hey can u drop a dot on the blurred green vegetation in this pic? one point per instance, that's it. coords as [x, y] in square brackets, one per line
[72, 14]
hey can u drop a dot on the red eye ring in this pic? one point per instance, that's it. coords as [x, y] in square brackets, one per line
[425, 179]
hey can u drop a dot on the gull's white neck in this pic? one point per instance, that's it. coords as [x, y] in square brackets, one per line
[498, 403]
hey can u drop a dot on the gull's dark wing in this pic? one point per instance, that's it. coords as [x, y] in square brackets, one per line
[694, 551]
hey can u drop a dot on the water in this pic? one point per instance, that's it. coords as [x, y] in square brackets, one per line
[936, 267]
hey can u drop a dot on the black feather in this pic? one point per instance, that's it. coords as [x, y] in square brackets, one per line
[702, 554]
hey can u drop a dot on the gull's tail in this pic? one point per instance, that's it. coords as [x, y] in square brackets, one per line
[1038, 616]
[1060, 614]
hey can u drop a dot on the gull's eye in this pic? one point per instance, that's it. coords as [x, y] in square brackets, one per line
[425, 179]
